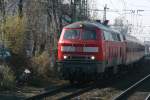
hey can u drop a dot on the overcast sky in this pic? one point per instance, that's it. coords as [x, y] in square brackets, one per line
[140, 19]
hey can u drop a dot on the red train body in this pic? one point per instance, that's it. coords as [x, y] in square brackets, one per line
[86, 50]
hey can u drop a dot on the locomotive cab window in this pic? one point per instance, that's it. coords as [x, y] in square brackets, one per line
[71, 34]
[80, 34]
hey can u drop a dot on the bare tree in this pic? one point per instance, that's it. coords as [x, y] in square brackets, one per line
[121, 25]
[36, 26]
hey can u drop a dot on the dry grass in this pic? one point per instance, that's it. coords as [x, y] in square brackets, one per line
[42, 71]
[41, 64]
[7, 78]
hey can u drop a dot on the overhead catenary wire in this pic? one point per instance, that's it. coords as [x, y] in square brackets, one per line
[114, 7]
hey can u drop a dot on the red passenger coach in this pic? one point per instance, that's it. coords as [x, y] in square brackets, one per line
[88, 50]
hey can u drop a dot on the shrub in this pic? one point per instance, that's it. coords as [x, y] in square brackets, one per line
[14, 33]
[40, 64]
[7, 78]
[14, 38]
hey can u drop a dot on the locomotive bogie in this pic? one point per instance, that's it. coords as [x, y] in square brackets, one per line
[77, 70]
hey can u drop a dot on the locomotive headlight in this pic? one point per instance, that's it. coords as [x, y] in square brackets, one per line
[65, 57]
[92, 57]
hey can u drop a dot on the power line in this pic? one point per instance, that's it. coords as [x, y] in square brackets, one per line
[114, 6]
[124, 3]
[109, 10]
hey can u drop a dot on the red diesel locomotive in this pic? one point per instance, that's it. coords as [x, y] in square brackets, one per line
[88, 50]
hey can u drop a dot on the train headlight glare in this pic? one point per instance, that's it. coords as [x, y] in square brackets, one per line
[92, 57]
[65, 57]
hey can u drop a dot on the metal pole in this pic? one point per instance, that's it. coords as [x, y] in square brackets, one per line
[20, 6]
[2, 2]
[105, 9]
[3, 20]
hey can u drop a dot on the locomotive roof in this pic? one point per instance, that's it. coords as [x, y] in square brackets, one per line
[133, 39]
[90, 25]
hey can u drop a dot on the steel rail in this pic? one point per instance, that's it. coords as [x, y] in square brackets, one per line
[48, 93]
[84, 89]
[128, 90]
[78, 92]
[148, 97]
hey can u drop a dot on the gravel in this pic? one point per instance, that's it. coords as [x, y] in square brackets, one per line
[118, 84]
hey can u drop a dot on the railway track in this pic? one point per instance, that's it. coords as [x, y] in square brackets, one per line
[72, 91]
[148, 97]
[68, 91]
[126, 94]
[64, 92]
[48, 92]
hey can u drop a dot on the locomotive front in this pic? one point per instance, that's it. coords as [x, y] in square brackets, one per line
[80, 52]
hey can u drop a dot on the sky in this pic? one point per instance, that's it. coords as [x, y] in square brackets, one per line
[135, 12]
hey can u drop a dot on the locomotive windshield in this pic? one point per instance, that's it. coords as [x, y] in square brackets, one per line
[72, 34]
[88, 35]
[80, 34]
